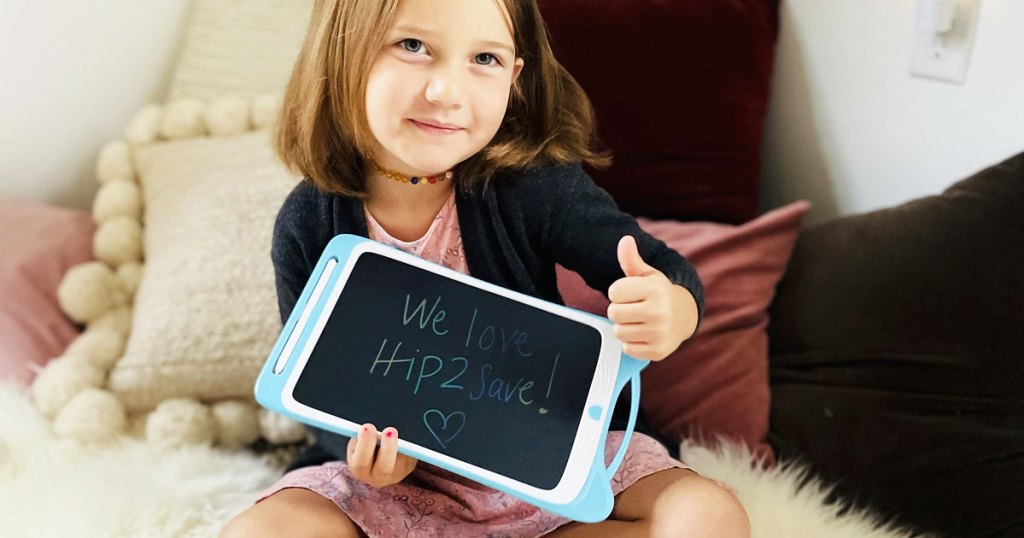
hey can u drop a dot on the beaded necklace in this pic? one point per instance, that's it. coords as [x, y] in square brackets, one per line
[413, 179]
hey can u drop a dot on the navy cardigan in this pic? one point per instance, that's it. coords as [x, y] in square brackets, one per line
[514, 231]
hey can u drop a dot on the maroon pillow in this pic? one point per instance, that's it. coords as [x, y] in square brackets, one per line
[681, 89]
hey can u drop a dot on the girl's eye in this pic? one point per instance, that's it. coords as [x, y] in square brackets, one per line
[486, 57]
[411, 45]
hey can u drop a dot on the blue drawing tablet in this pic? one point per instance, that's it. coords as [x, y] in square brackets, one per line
[506, 389]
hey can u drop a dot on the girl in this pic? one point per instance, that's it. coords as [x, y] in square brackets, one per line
[447, 128]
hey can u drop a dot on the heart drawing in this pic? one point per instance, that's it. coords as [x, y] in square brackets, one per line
[446, 427]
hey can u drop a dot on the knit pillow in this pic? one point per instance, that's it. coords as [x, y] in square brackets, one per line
[239, 47]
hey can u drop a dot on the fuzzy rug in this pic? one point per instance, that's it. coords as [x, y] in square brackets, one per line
[130, 488]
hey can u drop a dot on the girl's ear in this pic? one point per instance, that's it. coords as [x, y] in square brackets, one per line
[517, 68]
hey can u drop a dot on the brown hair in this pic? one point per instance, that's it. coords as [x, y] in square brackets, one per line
[323, 133]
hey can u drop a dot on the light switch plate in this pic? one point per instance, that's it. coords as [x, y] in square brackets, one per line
[945, 56]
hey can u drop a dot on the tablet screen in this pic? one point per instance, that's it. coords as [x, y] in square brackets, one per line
[457, 369]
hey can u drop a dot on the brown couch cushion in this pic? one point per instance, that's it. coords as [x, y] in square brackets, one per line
[897, 356]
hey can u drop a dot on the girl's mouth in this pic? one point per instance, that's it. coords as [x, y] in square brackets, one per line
[435, 130]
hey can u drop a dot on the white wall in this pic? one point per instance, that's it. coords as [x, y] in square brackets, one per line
[72, 74]
[851, 130]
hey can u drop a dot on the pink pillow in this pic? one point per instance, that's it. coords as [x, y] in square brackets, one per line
[38, 243]
[716, 383]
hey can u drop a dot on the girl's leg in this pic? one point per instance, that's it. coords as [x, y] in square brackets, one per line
[292, 512]
[671, 503]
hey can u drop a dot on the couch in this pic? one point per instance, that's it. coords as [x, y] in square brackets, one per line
[861, 377]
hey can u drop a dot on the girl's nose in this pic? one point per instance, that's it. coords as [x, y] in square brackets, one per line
[445, 88]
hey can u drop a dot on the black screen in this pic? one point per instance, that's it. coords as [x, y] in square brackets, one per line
[457, 369]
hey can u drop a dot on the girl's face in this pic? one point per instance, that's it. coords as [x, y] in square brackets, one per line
[438, 90]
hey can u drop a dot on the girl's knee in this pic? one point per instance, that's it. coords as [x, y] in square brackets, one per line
[244, 524]
[701, 508]
[291, 512]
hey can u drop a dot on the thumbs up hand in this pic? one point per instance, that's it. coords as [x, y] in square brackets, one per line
[651, 315]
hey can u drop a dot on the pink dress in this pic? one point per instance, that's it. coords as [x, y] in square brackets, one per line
[432, 501]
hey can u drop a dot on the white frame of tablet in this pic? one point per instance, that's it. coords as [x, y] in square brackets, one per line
[588, 435]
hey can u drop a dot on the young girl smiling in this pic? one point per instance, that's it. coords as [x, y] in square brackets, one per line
[447, 128]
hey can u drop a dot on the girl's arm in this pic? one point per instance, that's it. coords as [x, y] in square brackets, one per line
[301, 232]
[300, 236]
[652, 315]
[656, 294]
[298, 241]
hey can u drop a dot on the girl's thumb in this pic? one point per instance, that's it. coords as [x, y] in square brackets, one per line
[629, 258]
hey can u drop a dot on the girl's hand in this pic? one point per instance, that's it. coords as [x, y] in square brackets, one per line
[388, 467]
[652, 315]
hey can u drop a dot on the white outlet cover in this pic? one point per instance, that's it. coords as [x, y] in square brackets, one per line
[945, 56]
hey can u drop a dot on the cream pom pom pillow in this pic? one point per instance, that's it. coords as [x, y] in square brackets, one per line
[180, 304]
[205, 313]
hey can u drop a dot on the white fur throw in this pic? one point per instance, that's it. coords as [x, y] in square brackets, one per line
[52, 487]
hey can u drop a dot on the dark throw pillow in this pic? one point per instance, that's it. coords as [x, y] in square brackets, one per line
[681, 91]
[897, 356]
